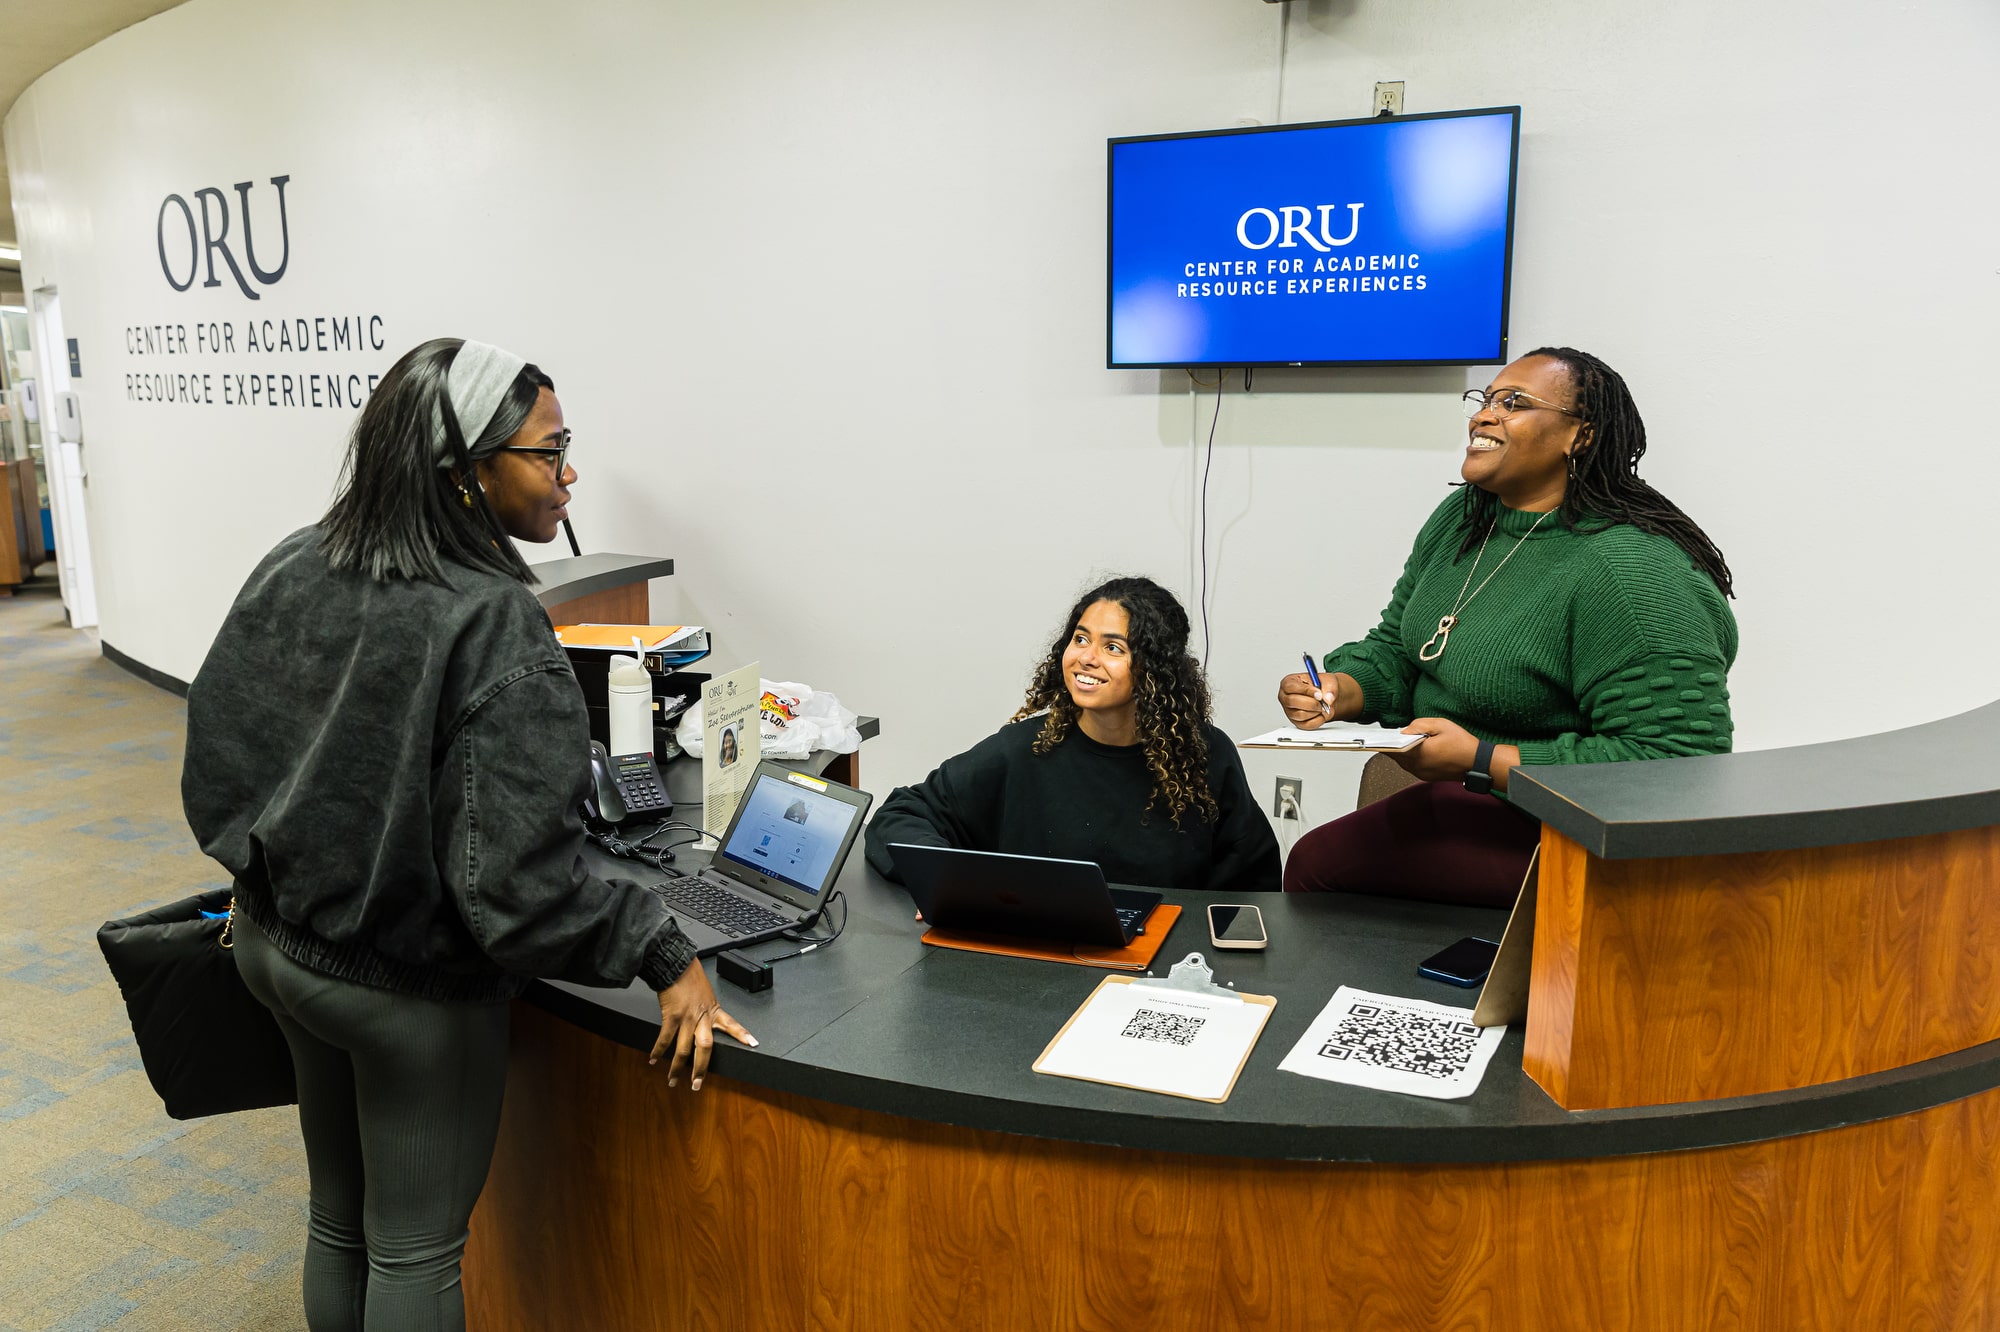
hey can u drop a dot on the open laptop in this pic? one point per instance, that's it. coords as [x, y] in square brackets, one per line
[1034, 897]
[780, 854]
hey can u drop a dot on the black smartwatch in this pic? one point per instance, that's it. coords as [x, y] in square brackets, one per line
[1479, 780]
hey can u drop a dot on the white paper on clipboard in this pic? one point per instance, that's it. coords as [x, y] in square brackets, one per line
[1334, 735]
[1177, 1042]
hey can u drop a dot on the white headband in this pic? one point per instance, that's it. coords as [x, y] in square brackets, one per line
[480, 376]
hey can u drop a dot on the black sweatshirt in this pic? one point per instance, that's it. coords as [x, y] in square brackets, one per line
[1083, 801]
[391, 772]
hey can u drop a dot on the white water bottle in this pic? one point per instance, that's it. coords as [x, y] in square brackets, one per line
[629, 694]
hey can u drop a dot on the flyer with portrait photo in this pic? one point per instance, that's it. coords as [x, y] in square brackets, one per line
[731, 742]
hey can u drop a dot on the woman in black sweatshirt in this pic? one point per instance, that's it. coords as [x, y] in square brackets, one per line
[1111, 759]
[386, 749]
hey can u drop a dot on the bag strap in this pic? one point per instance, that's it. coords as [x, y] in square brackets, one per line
[229, 924]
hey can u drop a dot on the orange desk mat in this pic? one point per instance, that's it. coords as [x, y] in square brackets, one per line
[1136, 956]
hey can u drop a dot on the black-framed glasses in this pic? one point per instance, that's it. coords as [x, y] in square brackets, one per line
[1508, 401]
[560, 453]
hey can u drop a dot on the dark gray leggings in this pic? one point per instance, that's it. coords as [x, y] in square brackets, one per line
[399, 1103]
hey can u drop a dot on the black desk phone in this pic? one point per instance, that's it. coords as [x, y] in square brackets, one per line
[624, 786]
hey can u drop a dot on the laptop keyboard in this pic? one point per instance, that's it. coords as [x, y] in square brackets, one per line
[717, 909]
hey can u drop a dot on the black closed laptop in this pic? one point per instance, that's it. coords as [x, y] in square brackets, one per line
[1030, 897]
[780, 854]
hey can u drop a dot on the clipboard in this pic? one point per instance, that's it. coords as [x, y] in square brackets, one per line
[1334, 738]
[1189, 976]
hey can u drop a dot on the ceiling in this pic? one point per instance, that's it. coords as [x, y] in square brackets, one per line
[38, 35]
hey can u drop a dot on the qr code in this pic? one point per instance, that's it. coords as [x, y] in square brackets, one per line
[1150, 1024]
[1403, 1039]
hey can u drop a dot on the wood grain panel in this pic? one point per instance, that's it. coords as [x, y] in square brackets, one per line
[13, 540]
[630, 604]
[1699, 977]
[1559, 903]
[844, 768]
[616, 1204]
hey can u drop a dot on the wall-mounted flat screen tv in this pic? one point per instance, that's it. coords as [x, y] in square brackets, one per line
[1351, 242]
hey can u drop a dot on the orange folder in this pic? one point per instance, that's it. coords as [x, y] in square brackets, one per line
[1136, 956]
[652, 637]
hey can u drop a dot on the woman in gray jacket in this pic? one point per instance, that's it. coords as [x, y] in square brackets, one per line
[386, 750]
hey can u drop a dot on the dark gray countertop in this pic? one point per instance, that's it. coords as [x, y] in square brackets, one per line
[883, 1022]
[558, 581]
[1939, 777]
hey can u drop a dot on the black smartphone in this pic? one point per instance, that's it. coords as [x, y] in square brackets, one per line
[1236, 926]
[1465, 963]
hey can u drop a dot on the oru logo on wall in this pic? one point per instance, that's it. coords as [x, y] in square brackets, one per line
[213, 238]
[205, 357]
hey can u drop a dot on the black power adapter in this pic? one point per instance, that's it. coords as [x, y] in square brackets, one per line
[744, 972]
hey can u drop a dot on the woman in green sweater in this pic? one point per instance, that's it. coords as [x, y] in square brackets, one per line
[1557, 609]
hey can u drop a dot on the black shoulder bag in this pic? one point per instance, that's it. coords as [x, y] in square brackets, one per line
[209, 1046]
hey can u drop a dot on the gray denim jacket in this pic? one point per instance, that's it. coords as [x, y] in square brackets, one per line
[390, 771]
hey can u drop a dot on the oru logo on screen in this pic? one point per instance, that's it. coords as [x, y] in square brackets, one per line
[1409, 263]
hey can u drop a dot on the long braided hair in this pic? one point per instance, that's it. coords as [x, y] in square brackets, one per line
[1167, 684]
[1604, 486]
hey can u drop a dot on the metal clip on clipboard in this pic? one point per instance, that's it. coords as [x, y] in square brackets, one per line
[1192, 974]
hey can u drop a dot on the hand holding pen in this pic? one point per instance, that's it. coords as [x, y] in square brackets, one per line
[1309, 701]
[1324, 695]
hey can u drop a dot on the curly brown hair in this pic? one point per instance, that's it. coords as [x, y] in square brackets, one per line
[1168, 685]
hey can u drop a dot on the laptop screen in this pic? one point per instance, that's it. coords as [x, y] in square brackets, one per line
[790, 832]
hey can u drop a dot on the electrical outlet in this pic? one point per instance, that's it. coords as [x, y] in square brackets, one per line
[1388, 99]
[1287, 798]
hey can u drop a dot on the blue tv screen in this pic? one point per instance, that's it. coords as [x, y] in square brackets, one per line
[1358, 242]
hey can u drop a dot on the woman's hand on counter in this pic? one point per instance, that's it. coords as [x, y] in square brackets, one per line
[689, 1015]
[1449, 751]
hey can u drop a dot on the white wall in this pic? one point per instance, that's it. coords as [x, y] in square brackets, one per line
[822, 289]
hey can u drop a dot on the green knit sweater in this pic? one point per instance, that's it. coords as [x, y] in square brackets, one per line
[1589, 647]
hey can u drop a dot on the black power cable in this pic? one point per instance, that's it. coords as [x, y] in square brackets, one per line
[811, 942]
[608, 840]
[1208, 461]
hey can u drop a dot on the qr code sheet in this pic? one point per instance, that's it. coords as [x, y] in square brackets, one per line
[1406, 1040]
[1150, 1024]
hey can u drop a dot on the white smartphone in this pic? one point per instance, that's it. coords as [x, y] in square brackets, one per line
[1234, 926]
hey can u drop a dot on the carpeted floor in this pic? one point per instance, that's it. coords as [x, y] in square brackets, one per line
[111, 1214]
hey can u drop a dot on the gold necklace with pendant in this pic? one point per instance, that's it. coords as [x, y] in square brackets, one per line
[1434, 646]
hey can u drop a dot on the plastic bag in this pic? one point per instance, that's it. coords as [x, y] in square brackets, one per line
[794, 720]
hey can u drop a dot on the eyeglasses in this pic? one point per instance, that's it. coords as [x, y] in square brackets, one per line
[560, 453]
[1508, 401]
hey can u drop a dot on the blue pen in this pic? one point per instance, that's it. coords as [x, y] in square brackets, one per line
[1312, 673]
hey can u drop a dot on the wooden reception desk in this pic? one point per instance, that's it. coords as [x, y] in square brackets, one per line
[1762, 922]
[599, 589]
[1756, 1089]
